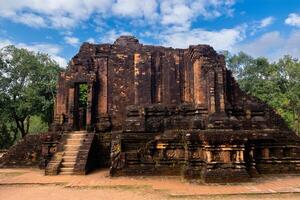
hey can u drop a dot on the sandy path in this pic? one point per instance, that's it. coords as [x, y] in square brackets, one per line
[26, 183]
[61, 193]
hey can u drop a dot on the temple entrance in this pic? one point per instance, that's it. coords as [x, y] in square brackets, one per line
[80, 106]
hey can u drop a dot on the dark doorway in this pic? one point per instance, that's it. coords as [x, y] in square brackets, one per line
[80, 107]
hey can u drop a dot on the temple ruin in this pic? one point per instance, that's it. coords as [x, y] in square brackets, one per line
[151, 110]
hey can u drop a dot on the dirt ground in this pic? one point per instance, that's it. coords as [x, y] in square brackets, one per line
[29, 192]
[25, 184]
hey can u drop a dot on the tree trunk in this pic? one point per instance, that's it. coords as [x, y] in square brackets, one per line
[15, 131]
[20, 126]
[27, 124]
[298, 128]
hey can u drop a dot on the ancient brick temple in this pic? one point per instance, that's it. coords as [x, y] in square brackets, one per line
[153, 110]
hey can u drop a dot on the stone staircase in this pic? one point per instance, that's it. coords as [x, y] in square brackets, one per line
[73, 157]
[71, 150]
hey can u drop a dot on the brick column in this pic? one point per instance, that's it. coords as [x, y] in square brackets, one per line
[175, 79]
[103, 119]
[211, 91]
[102, 92]
[71, 96]
[142, 78]
[186, 84]
[198, 88]
[220, 91]
[60, 101]
[136, 60]
[156, 78]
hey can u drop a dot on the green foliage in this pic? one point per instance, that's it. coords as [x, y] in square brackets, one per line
[6, 139]
[276, 83]
[8, 130]
[27, 87]
[37, 125]
[83, 90]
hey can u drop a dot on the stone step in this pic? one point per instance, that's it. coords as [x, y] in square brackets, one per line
[71, 147]
[66, 173]
[83, 131]
[74, 144]
[68, 164]
[79, 144]
[74, 141]
[67, 169]
[76, 136]
[78, 133]
[70, 153]
[69, 158]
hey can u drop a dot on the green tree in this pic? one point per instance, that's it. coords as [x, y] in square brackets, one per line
[290, 72]
[278, 83]
[27, 87]
[237, 63]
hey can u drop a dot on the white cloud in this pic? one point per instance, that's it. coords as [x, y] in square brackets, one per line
[55, 13]
[29, 19]
[273, 45]
[72, 40]
[182, 13]
[62, 22]
[4, 43]
[293, 20]
[175, 13]
[135, 8]
[266, 22]
[171, 19]
[91, 40]
[70, 13]
[112, 35]
[223, 39]
[257, 26]
[60, 60]
[51, 49]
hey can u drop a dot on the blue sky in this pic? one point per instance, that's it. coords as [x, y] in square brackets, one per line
[269, 28]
